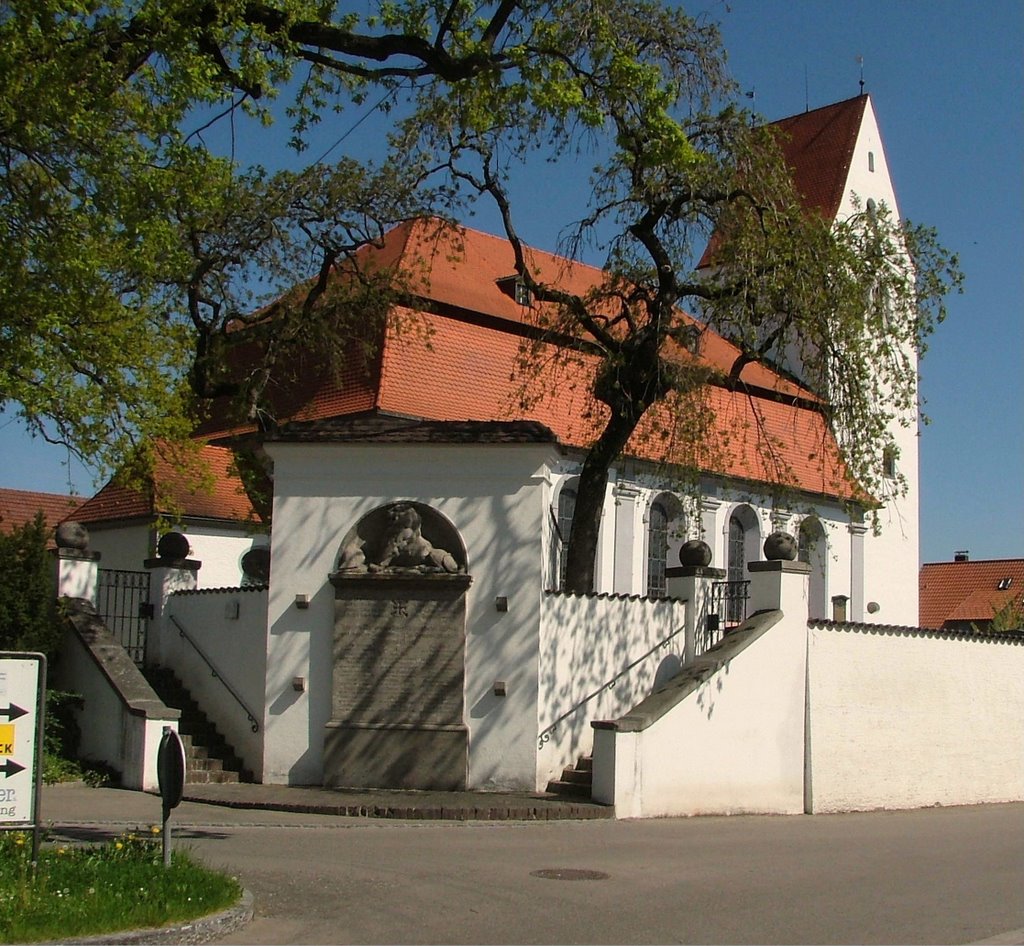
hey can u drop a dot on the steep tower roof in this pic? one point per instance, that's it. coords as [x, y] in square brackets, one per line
[818, 146]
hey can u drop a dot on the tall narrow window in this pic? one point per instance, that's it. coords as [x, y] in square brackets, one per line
[657, 551]
[889, 462]
[871, 161]
[737, 568]
[566, 510]
[737, 551]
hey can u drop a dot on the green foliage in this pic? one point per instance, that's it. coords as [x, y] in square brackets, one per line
[1010, 617]
[28, 616]
[134, 253]
[81, 890]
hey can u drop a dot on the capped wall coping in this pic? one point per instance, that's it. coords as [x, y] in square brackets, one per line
[648, 711]
[126, 680]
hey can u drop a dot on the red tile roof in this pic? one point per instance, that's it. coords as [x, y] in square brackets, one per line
[224, 499]
[18, 507]
[818, 147]
[962, 592]
[453, 358]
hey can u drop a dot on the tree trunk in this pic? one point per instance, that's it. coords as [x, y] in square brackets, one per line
[590, 493]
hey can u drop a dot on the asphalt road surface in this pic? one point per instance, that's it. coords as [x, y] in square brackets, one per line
[939, 875]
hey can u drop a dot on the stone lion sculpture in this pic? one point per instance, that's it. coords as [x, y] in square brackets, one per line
[402, 545]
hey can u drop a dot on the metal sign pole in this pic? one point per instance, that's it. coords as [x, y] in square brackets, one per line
[170, 773]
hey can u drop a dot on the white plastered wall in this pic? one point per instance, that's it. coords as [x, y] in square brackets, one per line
[496, 497]
[903, 719]
[891, 559]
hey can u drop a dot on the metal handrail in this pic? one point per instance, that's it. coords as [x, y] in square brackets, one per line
[216, 674]
[544, 736]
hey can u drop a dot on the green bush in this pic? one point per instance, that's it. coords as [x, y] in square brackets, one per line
[28, 607]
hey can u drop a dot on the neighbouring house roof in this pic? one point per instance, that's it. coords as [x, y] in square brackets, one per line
[18, 506]
[962, 592]
[218, 496]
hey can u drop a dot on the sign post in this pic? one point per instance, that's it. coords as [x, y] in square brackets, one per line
[22, 702]
[170, 773]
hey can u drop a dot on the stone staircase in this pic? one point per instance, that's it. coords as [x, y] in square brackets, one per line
[576, 781]
[208, 757]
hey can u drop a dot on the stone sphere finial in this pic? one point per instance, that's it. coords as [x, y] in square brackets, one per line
[780, 546]
[72, 535]
[256, 565]
[695, 552]
[173, 545]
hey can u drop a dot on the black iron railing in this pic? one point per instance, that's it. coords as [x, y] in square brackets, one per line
[727, 608]
[216, 674]
[122, 601]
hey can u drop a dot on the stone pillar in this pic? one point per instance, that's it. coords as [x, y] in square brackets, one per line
[624, 528]
[857, 532]
[693, 584]
[77, 568]
[169, 572]
[779, 585]
[709, 530]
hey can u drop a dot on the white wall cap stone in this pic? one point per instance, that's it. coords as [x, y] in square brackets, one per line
[780, 565]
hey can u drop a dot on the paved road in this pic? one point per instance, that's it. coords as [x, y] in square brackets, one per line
[953, 875]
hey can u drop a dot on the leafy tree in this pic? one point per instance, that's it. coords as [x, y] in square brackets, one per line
[28, 618]
[133, 253]
[1008, 617]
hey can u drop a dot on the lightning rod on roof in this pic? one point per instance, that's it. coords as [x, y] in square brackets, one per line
[860, 62]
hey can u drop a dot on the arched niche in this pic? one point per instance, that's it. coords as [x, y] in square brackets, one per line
[402, 537]
[399, 654]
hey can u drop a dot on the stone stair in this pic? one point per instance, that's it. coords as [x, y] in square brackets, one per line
[576, 780]
[208, 757]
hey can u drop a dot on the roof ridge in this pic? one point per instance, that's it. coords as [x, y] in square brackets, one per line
[863, 97]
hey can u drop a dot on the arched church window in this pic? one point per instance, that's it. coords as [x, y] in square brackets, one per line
[657, 550]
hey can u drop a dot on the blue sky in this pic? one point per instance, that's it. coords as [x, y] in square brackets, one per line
[947, 81]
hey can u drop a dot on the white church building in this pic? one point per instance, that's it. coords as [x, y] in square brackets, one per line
[412, 632]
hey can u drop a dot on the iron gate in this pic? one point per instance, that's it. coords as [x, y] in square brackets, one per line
[122, 600]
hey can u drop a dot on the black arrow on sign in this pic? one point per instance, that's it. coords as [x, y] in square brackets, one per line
[10, 767]
[13, 712]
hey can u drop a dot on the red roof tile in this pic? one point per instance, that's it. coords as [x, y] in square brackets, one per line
[224, 499]
[818, 147]
[968, 591]
[455, 359]
[18, 507]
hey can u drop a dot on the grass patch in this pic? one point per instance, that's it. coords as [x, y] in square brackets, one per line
[79, 890]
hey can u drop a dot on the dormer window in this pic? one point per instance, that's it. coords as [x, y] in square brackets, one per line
[516, 287]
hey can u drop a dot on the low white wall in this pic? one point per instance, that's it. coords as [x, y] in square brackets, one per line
[230, 628]
[905, 718]
[599, 655]
[121, 719]
[733, 744]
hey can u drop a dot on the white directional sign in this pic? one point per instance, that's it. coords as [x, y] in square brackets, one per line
[22, 679]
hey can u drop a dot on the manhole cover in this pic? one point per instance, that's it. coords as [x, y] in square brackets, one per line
[568, 873]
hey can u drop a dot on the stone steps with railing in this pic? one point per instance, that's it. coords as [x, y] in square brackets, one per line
[208, 756]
